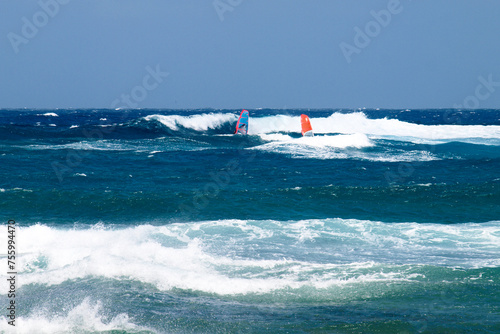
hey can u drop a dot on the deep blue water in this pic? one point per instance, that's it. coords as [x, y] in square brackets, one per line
[162, 221]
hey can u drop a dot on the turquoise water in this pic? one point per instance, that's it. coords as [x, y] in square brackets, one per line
[162, 221]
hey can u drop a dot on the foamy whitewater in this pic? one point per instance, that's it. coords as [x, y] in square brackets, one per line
[163, 221]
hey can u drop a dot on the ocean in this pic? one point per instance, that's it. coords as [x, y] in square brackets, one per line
[163, 221]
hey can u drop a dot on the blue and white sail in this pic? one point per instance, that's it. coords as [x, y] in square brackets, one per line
[242, 125]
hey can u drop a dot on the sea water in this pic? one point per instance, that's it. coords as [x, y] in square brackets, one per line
[163, 221]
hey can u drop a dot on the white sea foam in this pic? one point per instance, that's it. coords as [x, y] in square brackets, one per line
[275, 137]
[16, 189]
[84, 318]
[236, 257]
[359, 123]
[201, 122]
[97, 145]
[357, 140]
[338, 147]
[145, 146]
[49, 114]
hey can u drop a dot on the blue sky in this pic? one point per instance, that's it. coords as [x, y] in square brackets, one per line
[249, 53]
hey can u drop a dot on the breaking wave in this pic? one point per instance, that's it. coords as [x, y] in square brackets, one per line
[197, 256]
[337, 123]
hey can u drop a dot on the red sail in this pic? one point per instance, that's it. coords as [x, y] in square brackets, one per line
[306, 125]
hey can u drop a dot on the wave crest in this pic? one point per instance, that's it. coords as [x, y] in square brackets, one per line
[262, 257]
[203, 122]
